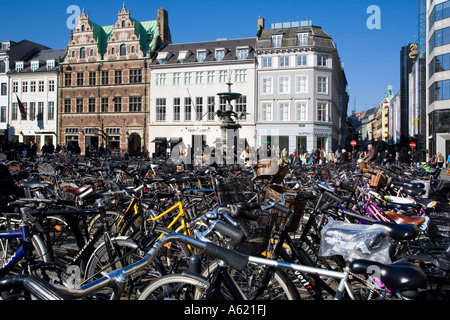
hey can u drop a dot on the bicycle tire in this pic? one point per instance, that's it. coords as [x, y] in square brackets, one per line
[280, 286]
[174, 287]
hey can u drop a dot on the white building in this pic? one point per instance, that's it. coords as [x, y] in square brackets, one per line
[302, 97]
[438, 76]
[34, 83]
[185, 81]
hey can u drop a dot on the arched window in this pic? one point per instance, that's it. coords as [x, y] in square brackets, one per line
[123, 23]
[123, 49]
[113, 50]
[133, 49]
[82, 28]
[73, 54]
[91, 52]
[83, 53]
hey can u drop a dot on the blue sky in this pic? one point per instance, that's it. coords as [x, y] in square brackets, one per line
[371, 57]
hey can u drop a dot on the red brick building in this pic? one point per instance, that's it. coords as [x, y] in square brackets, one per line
[104, 82]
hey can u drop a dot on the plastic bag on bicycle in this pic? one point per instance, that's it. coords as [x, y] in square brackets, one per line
[355, 241]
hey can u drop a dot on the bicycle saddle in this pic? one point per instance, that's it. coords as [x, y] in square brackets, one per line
[401, 206]
[400, 232]
[408, 184]
[414, 191]
[404, 277]
[77, 191]
[34, 184]
[402, 219]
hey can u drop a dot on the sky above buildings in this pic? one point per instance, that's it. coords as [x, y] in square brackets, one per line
[368, 34]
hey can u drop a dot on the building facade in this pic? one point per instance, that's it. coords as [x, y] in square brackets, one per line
[302, 96]
[438, 77]
[105, 81]
[185, 81]
[34, 85]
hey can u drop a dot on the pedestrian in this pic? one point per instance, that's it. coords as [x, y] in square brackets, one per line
[440, 160]
[448, 161]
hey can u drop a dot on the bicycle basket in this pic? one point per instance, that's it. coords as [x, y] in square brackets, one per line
[257, 234]
[233, 190]
[298, 206]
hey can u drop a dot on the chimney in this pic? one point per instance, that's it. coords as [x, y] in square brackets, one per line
[163, 24]
[260, 26]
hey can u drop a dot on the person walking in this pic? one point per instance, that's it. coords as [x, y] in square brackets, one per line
[440, 160]
[448, 161]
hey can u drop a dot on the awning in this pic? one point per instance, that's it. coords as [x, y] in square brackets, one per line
[175, 140]
[159, 140]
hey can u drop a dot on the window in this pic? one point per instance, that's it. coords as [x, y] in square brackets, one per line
[51, 110]
[176, 78]
[322, 112]
[118, 76]
[41, 86]
[211, 76]
[241, 107]
[302, 84]
[322, 60]
[136, 76]
[160, 79]
[241, 75]
[439, 38]
[123, 50]
[51, 85]
[222, 104]
[92, 78]
[301, 60]
[266, 111]
[32, 86]
[105, 77]
[199, 108]
[201, 56]
[301, 110]
[211, 108]
[199, 77]
[117, 104]
[104, 104]
[267, 62]
[135, 104]
[4, 89]
[15, 108]
[176, 109]
[302, 39]
[160, 109]
[91, 105]
[25, 115]
[133, 49]
[224, 76]
[284, 85]
[276, 41]
[79, 105]
[80, 81]
[50, 64]
[32, 110]
[187, 109]
[40, 111]
[91, 52]
[3, 114]
[188, 78]
[242, 53]
[15, 87]
[19, 66]
[220, 54]
[439, 91]
[68, 79]
[34, 65]
[25, 86]
[284, 111]
[67, 106]
[83, 53]
[322, 85]
[267, 85]
[439, 63]
[284, 61]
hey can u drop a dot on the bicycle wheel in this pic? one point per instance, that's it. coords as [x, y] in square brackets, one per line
[278, 287]
[175, 287]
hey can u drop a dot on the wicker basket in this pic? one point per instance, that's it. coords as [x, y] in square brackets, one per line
[298, 206]
[269, 169]
[377, 177]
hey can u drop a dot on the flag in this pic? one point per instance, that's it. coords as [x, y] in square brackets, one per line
[23, 112]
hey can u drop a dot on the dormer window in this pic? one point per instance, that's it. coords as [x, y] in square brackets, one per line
[276, 41]
[50, 64]
[220, 54]
[302, 39]
[201, 56]
[34, 65]
[19, 66]
[182, 56]
[242, 53]
[163, 57]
